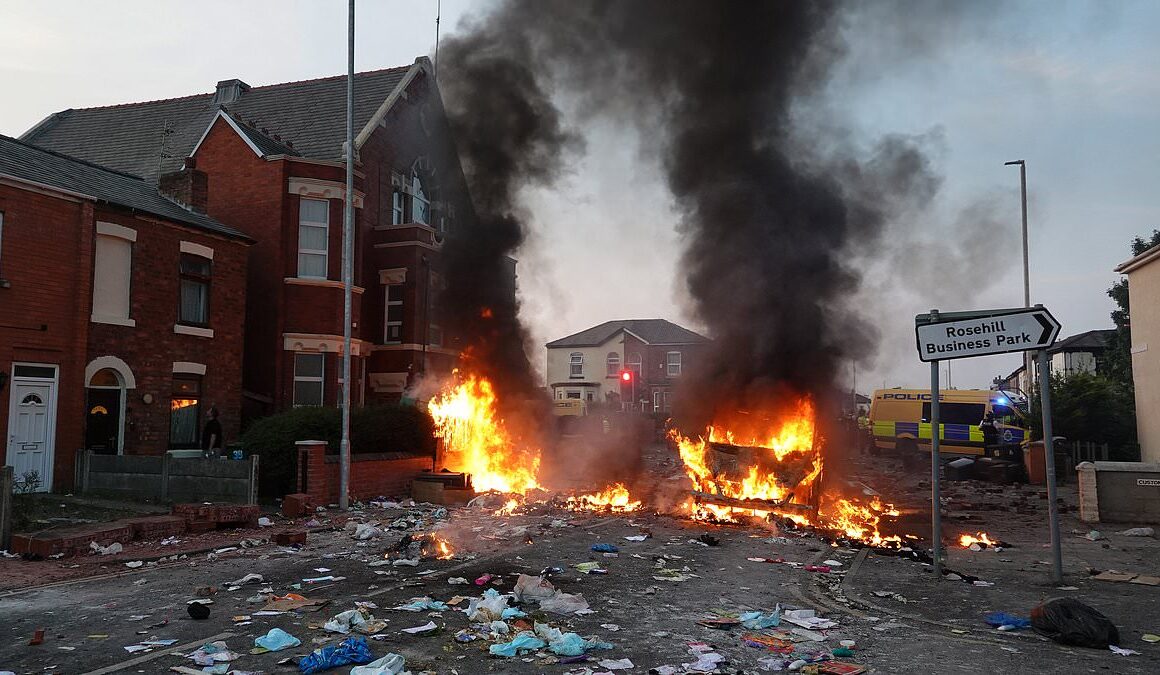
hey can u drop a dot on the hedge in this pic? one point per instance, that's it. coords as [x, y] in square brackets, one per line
[390, 428]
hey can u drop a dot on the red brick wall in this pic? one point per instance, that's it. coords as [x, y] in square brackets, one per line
[371, 476]
[45, 256]
[249, 194]
[151, 347]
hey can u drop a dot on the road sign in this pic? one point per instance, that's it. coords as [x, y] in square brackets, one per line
[957, 335]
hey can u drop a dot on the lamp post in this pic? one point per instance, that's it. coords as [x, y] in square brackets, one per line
[1026, 267]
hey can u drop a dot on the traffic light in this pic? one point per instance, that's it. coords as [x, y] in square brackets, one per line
[627, 387]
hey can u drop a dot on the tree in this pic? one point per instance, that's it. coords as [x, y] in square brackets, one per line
[1119, 354]
[1091, 407]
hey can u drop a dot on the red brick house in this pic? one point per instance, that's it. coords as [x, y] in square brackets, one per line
[122, 312]
[273, 157]
[587, 365]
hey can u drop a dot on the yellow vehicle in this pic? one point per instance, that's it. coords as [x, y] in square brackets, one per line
[900, 419]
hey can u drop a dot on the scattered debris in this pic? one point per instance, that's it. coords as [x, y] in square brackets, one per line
[1071, 622]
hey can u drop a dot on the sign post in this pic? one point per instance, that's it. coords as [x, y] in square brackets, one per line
[935, 503]
[943, 336]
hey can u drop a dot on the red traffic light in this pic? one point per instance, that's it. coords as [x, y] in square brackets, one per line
[626, 375]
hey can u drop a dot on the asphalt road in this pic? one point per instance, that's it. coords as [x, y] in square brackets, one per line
[89, 623]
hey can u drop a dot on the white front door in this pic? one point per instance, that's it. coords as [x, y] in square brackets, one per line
[32, 430]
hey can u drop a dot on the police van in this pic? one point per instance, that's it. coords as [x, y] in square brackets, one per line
[900, 420]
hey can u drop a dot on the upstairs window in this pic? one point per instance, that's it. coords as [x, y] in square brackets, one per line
[308, 378]
[673, 364]
[313, 237]
[420, 204]
[435, 336]
[635, 364]
[195, 278]
[393, 334]
[1, 244]
[613, 361]
[112, 274]
[576, 365]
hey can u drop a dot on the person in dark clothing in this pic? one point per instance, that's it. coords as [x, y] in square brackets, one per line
[212, 440]
[990, 434]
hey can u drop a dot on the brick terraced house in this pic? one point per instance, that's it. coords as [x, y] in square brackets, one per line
[120, 312]
[273, 159]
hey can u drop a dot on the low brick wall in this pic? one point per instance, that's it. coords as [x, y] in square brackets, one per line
[384, 474]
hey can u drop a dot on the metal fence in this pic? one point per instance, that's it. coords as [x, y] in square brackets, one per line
[168, 479]
[1087, 451]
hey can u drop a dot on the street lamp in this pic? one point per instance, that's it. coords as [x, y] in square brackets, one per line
[1026, 267]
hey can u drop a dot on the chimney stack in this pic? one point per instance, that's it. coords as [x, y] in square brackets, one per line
[187, 186]
[229, 91]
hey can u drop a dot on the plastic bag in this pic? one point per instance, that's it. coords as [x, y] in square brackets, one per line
[1070, 622]
[533, 588]
[343, 622]
[487, 608]
[564, 603]
[523, 642]
[350, 650]
[758, 621]
[998, 619]
[277, 639]
[391, 664]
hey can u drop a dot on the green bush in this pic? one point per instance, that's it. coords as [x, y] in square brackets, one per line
[389, 428]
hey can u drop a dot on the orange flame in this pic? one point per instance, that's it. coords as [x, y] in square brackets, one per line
[509, 508]
[859, 522]
[614, 499]
[794, 436]
[476, 441]
[979, 538]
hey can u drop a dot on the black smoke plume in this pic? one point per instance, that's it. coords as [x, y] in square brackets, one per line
[768, 222]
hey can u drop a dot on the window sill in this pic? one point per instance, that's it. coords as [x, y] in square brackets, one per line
[196, 331]
[4, 283]
[326, 283]
[113, 320]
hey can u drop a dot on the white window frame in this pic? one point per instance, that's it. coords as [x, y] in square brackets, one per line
[613, 364]
[325, 253]
[320, 379]
[576, 365]
[398, 215]
[387, 323]
[418, 196]
[435, 335]
[636, 364]
[669, 364]
[1, 244]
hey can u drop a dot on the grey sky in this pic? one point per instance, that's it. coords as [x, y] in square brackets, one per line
[1069, 87]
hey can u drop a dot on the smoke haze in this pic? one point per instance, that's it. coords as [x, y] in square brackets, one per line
[774, 218]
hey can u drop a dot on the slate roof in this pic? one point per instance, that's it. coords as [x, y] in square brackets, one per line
[1092, 340]
[310, 114]
[28, 162]
[652, 331]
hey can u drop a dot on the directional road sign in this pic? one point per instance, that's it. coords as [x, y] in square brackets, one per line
[957, 335]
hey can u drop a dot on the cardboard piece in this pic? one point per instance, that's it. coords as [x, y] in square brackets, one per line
[293, 601]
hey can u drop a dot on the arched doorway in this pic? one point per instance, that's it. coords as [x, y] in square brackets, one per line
[105, 412]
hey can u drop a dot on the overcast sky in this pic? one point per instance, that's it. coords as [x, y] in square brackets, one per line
[1072, 88]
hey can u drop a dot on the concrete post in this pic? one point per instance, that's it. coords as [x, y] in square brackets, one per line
[165, 476]
[7, 478]
[252, 493]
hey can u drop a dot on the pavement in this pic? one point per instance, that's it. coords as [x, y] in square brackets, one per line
[901, 619]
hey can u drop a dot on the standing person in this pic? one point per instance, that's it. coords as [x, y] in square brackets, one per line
[212, 440]
[990, 434]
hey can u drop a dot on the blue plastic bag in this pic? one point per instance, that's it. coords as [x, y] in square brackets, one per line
[277, 639]
[998, 619]
[605, 548]
[758, 621]
[523, 642]
[350, 650]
